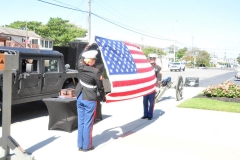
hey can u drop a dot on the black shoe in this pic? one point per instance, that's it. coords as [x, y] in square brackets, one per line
[79, 149]
[149, 118]
[144, 117]
[86, 150]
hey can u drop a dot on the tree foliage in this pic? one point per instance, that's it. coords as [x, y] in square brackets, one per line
[31, 25]
[181, 53]
[57, 29]
[157, 51]
[188, 57]
[203, 57]
[238, 59]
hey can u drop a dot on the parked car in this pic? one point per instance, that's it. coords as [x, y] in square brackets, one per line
[237, 75]
[169, 64]
[202, 66]
[177, 66]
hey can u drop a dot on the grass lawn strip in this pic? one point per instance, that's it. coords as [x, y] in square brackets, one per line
[208, 104]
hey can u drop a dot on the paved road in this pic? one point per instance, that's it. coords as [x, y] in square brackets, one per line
[211, 76]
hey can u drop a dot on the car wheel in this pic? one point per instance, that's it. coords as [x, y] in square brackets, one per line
[179, 70]
[171, 70]
[184, 69]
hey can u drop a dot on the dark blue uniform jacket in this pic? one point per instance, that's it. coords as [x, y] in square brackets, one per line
[91, 76]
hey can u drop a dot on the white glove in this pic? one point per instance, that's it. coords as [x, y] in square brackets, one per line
[102, 103]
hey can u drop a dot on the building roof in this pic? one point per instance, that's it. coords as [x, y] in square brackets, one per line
[18, 32]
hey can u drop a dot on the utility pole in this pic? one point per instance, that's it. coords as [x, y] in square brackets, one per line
[26, 35]
[89, 21]
[213, 58]
[193, 53]
[174, 41]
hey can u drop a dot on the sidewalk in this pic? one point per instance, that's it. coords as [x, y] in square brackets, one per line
[174, 133]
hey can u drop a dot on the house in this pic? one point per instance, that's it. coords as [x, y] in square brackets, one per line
[21, 38]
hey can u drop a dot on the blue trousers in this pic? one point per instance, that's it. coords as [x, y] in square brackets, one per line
[86, 113]
[148, 104]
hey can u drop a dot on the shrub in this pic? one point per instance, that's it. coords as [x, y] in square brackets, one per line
[227, 89]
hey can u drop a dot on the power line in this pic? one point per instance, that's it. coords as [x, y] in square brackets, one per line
[71, 6]
[127, 21]
[107, 21]
[120, 25]
[80, 19]
[125, 17]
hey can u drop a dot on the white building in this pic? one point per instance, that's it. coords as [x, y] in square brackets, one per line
[17, 38]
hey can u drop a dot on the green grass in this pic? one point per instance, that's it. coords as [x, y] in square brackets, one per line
[208, 104]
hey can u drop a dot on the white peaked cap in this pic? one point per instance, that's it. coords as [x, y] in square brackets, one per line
[90, 54]
[152, 55]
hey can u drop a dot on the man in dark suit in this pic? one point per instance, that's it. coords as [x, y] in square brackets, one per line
[86, 91]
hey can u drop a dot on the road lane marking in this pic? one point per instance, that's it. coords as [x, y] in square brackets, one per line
[229, 79]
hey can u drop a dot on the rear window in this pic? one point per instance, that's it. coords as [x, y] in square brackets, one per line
[176, 63]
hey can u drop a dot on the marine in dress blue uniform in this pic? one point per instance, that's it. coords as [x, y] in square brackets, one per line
[86, 91]
[149, 100]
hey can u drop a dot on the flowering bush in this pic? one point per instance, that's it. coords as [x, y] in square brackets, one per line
[227, 89]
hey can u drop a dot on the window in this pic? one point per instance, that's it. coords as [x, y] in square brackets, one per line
[34, 41]
[34, 63]
[42, 43]
[50, 44]
[46, 44]
[51, 65]
[176, 63]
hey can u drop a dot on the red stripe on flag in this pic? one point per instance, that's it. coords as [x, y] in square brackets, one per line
[133, 82]
[132, 92]
[144, 70]
[141, 61]
[136, 52]
[108, 101]
[129, 44]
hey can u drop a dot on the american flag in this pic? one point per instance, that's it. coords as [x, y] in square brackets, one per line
[128, 70]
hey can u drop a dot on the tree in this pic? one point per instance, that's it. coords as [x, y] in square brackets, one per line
[181, 53]
[238, 59]
[157, 51]
[57, 29]
[203, 57]
[61, 31]
[31, 25]
[188, 58]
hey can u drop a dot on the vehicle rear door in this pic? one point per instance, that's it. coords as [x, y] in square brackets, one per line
[51, 75]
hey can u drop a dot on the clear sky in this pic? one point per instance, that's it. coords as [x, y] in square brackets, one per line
[212, 25]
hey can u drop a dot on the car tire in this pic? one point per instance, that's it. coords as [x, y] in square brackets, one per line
[171, 70]
[179, 70]
[184, 69]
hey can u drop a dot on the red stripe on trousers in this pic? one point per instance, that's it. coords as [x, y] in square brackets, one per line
[94, 115]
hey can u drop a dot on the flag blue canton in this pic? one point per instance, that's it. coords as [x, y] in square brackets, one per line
[117, 56]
